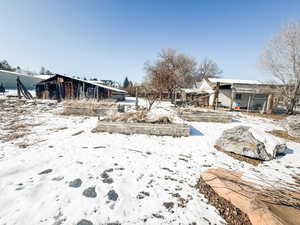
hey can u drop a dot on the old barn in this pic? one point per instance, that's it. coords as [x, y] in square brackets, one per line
[62, 87]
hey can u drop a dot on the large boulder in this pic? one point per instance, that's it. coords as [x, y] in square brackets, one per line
[293, 124]
[250, 142]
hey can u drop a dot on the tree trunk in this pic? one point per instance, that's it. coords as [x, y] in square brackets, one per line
[291, 106]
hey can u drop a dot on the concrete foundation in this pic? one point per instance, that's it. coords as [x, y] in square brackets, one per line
[92, 111]
[214, 117]
[176, 130]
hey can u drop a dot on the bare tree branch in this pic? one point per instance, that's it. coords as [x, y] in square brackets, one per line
[281, 57]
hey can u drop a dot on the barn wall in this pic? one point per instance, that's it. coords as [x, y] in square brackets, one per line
[67, 88]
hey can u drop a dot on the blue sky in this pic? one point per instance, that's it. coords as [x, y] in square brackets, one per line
[112, 39]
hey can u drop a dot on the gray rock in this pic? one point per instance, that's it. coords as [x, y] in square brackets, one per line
[112, 195]
[240, 140]
[84, 222]
[75, 183]
[293, 125]
[90, 192]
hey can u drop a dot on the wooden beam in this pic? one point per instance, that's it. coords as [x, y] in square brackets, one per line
[216, 95]
[231, 99]
[270, 104]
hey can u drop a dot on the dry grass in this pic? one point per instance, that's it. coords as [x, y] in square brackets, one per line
[137, 117]
[283, 134]
[13, 136]
[88, 104]
[267, 116]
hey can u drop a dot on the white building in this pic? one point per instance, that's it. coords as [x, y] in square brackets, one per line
[8, 79]
[237, 93]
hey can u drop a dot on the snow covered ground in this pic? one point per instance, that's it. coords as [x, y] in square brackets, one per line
[14, 92]
[135, 179]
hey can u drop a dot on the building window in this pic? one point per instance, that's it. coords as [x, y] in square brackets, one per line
[238, 96]
[260, 96]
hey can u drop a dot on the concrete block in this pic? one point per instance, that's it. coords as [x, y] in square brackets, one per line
[176, 130]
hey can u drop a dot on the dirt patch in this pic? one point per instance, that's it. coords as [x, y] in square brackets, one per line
[267, 116]
[13, 136]
[283, 134]
[231, 214]
[251, 161]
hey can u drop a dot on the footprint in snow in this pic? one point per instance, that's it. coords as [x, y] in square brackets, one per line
[59, 178]
[112, 195]
[142, 194]
[45, 171]
[90, 192]
[75, 183]
[84, 222]
[108, 180]
[104, 175]
[20, 187]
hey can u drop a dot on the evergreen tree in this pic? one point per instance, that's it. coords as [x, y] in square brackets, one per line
[42, 71]
[5, 66]
[48, 72]
[126, 83]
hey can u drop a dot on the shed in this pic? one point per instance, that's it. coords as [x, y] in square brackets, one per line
[64, 87]
[232, 93]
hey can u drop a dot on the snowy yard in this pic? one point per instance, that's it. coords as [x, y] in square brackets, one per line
[59, 172]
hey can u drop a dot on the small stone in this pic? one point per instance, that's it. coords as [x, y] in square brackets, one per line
[90, 192]
[45, 171]
[75, 183]
[84, 222]
[112, 195]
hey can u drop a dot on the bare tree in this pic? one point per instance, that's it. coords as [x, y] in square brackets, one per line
[281, 57]
[151, 94]
[171, 71]
[208, 68]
